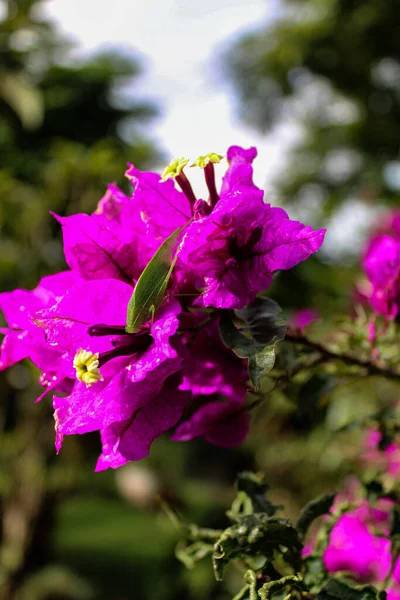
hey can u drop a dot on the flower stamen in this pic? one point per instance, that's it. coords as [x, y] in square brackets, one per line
[175, 171]
[86, 365]
[207, 162]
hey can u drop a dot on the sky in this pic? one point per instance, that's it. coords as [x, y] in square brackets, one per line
[178, 41]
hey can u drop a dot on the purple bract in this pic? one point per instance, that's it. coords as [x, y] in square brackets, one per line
[173, 369]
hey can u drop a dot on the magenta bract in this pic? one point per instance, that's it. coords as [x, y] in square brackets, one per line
[235, 250]
[174, 370]
[382, 266]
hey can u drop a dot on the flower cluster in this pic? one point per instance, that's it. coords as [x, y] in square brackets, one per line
[385, 460]
[302, 318]
[359, 543]
[382, 266]
[134, 382]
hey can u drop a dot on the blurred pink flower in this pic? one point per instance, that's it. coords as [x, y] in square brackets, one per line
[386, 460]
[382, 267]
[303, 318]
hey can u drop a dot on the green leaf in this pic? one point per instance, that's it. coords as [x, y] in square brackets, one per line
[315, 573]
[262, 321]
[198, 543]
[340, 589]
[395, 522]
[255, 535]
[190, 554]
[254, 338]
[272, 587]
[314, 509]
[243, 347]
[256, 488]
[150, 288]
[260, 363]
[374, 490]
[249, 591]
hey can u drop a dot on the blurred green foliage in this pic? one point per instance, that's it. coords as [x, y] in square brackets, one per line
[332, 67]
[65, 131]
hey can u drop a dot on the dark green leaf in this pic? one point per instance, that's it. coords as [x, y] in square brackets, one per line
[150, 288]
[395, 522]
[261, 362]
[249, 591]
[262, 321]
[340, 589]
[315, 573]
[190, 554]
[272, 587]
[256, 535]
[374, 490]
[256, 488]
[233, 338]
[255, 336]
[314, 509]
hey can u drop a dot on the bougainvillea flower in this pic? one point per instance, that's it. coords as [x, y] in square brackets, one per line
[235, 250]
[352, 547]
[131, 439]
[386, 460]
[156, 210]
[382, 266]
[221, 423]
[133, 387]
[24, 339]
[95, 251]
[209, 367]
[121, 236]
[359, 544]
[393, 589]
[110, 208]
[389, 225]
[117, 373]
[239, 176]
[211, 371]
[303, 318]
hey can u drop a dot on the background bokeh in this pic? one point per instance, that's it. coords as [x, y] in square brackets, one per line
[314, 83]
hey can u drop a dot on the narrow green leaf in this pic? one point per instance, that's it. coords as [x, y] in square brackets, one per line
[314, 509]
[251, 579]
[150, 288]
[190, 554]
[272, 587]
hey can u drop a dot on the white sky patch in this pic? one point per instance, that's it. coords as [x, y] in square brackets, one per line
[347, 230]
[177, 40]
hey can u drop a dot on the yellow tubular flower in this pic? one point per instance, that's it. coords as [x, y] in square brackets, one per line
[86, 365]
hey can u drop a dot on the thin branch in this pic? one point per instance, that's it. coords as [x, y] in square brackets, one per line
[349, 359]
